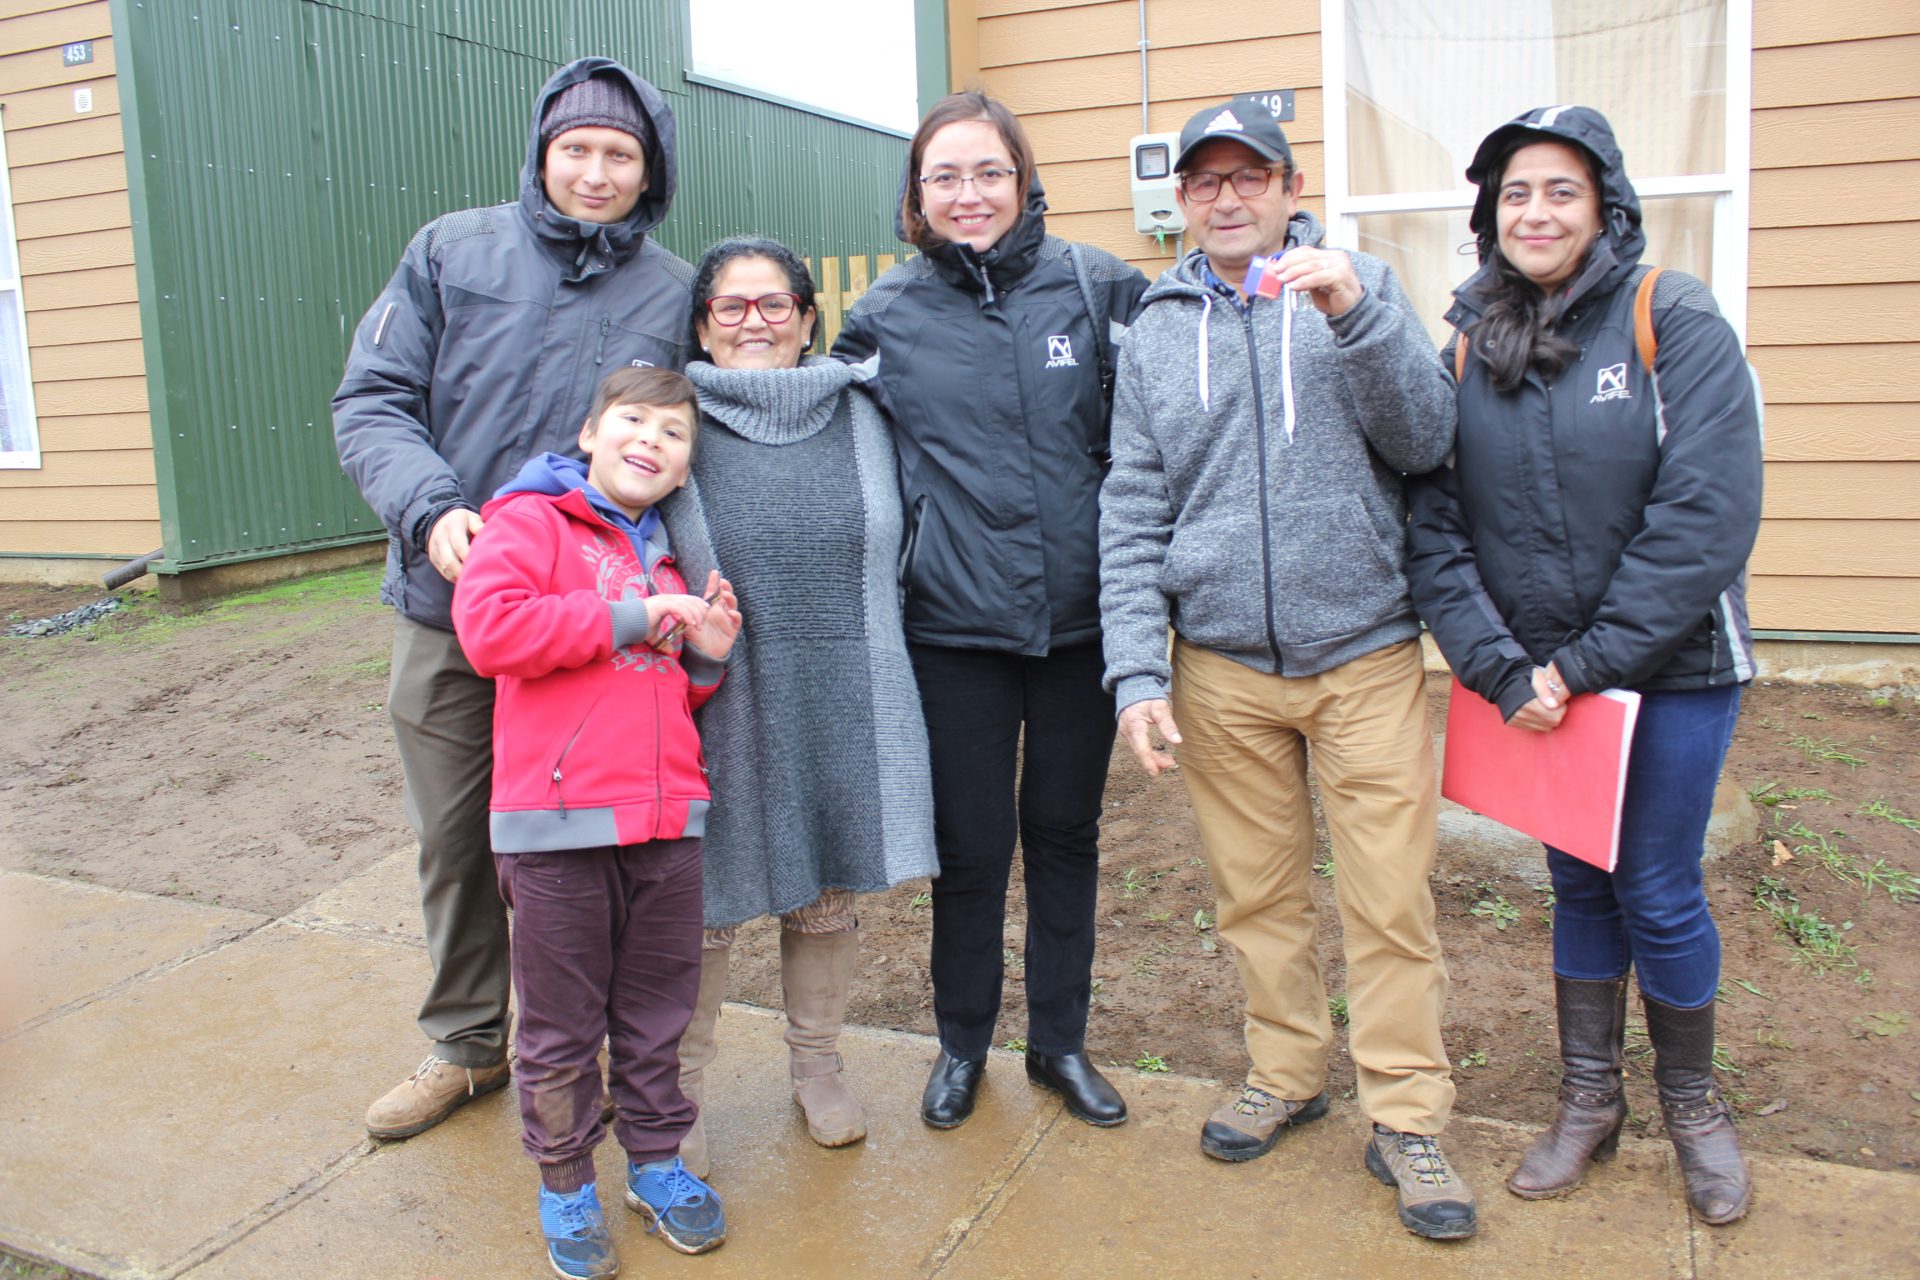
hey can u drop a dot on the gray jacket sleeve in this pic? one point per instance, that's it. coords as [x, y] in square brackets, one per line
[1136, 525]
[1402, 394]
[380, 420]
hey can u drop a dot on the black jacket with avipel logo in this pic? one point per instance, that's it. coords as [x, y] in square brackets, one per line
[1595, 521]
[988, 367]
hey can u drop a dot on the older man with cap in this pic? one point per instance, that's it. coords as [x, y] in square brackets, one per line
[484, 349]
[1270, 399]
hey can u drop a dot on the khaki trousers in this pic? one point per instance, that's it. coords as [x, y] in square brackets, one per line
[1246, 737]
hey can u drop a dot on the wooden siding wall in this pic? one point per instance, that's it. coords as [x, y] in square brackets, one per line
[1834, 304]
[95, 490]
[1834, 265]
[1071, 70]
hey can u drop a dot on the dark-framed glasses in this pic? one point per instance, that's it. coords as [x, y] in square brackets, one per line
[946, 186]
[729, 309]
[1203, 185]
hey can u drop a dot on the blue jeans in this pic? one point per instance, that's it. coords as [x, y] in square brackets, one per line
[1651, 913]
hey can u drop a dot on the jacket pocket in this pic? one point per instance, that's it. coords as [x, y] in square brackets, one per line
[910, 544]
[1334, 573]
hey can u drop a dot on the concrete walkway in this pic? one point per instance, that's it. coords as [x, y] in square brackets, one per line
[181, 1091]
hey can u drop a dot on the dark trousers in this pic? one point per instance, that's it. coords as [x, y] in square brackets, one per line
[606, 945]
[976, 705]
[1651, 913]
[443, 725]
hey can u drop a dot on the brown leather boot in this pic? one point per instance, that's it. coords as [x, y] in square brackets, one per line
[1593, 1027]
[815, 971]
[1719, 1187]
[697, 1048]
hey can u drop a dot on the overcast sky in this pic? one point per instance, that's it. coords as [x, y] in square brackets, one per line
[853, 57]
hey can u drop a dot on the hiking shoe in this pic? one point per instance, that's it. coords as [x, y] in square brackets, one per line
[436, 1089]
[1434, 1201]
[578, 1246]
[1249, 1125]
[682, 1208]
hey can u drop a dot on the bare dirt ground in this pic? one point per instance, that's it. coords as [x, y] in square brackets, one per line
[241, 755]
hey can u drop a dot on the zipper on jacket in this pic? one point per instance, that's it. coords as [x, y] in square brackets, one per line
[1266, 534]
[606, 327]
[562, 758]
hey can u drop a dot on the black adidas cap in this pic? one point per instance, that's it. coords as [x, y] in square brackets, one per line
[1241, 120]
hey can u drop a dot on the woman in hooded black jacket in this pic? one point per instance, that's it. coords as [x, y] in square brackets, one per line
[1592, 532]
[988, 350]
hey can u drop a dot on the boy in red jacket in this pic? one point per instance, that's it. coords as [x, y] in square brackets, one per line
[570, 600]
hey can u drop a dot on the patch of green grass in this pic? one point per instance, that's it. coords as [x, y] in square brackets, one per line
[1145, 966]
[1151, 1063]
[1133, 884]
[1825, 749]
[1018, 1044]
[1159, 917]
[1881, 809]
[1882, 1022]
[1816, 943]
[920, 901]
[1337, 1008]
[1324, 869]
[1013, 960]
[1478, 1058]
[1772, 793]
[149, 621]
[13, 1267]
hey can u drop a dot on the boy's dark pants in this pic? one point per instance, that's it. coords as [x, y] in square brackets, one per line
[606, 943]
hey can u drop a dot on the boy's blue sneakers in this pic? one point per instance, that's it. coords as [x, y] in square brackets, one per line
[685, 1209]
[578, 1246]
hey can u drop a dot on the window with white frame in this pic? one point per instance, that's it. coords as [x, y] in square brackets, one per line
[19, 430]
[1413, 86]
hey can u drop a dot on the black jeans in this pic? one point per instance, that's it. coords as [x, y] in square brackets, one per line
[976, 704]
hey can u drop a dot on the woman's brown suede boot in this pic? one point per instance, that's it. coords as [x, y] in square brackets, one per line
[1719, 1187]
[1593, 1025]
[697, 1049]
[816, 970]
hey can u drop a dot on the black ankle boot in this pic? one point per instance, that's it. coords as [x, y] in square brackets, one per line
[1719, 1187]
[1593, 1024]
[1088, 1095]
[948, 1099]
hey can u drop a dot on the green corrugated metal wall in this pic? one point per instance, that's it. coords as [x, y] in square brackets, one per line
[280, 154]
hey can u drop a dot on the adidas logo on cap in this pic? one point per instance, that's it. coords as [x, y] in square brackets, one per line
[1224, 122]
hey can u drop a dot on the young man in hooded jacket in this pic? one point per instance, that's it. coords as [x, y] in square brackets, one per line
[1260, 438]
[482, 351]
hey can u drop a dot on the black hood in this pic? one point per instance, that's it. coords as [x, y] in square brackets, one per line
[1621, 242]
[1004, 264]
[611, 242]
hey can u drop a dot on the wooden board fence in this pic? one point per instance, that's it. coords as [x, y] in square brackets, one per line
[839, 283]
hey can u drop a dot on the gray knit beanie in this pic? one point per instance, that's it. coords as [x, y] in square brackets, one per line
[603, 100]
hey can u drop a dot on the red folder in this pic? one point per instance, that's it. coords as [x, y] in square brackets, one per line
[1563, 788]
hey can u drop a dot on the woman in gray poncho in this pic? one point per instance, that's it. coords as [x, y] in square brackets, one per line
[815, 744]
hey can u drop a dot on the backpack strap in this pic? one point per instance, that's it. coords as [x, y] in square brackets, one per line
[1076, 253]
[1644, 339]
[1102, 325]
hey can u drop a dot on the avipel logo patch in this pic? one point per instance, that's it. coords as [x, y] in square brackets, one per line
[1611, 384]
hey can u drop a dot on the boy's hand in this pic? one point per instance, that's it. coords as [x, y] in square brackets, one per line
[720, 627]
[710, 624]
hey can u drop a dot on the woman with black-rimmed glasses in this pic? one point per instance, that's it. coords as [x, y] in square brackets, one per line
[989, 349]
[816, 753]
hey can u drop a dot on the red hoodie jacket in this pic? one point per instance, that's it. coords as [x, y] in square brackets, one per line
[593, 739]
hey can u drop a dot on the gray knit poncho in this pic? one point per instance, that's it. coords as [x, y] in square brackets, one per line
[815, 744]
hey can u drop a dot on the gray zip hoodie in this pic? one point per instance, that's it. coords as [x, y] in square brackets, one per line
[1255, 502]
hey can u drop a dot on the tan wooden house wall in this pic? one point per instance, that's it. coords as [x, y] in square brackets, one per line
[94, 493]
[1834, 256]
